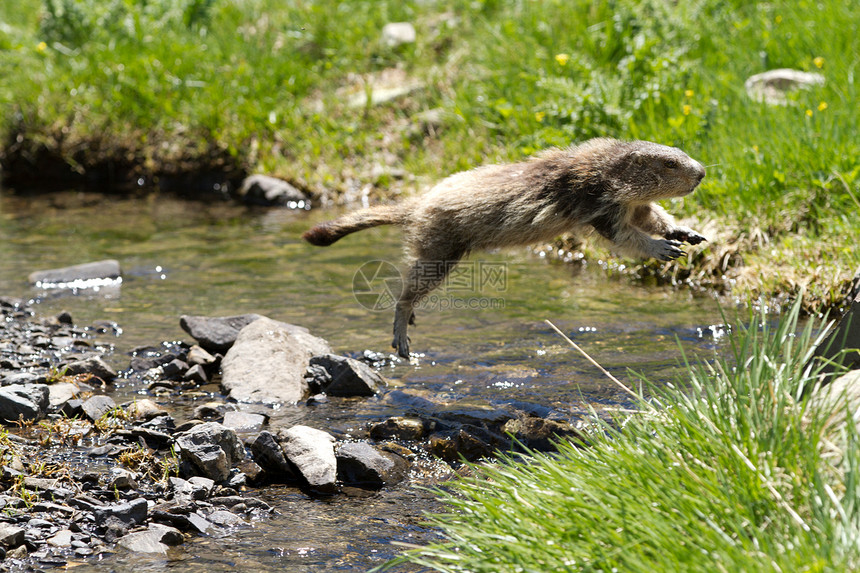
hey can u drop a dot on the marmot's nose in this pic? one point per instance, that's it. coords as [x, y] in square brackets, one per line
[700, 171]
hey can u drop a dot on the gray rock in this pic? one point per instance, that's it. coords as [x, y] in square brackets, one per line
[268, 453]
[398, 428]
[311, 451]
[195, 488]
[11, 536]
[198, 356]
[23, 401]
[211, 449]
[213, 410]
[773, 86]
[62, 538]
[539, 433]
[61, 392]
[224, 518]
[98, 406]
[129, 514]
[216, 334]
[196, 374]
[108, 269]
[121, 478]
[266, 364]
[349, 377]
[360, 464]
[398, 33]
[22, 377]
[198, 523]
[271, 191]
[244, 422]
[155, 539]
[145, 409]
[92, 365]
[174, 369]
[201, 487]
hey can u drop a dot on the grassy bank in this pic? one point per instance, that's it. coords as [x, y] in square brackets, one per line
[732, 474]
[148, 91]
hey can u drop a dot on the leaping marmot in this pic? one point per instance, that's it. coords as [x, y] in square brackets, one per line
[603, 185]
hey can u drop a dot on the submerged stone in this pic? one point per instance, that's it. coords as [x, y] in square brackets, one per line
[107, 269]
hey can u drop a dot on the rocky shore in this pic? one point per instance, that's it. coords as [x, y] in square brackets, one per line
[83, 476]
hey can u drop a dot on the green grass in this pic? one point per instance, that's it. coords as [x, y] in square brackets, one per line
[163, 87]
[728, 473]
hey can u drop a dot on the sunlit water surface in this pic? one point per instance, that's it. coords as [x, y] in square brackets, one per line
[216, 258]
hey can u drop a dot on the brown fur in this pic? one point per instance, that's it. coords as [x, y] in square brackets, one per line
[603, 185]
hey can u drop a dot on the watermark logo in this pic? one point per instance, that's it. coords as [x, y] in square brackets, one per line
[377, 285]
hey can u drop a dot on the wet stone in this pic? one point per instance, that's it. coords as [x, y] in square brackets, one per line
[268, 453]
[107, 269]
[360, 464]
[311, 451]
[216, 334]
[212, 411]
[98, 406]
[155, 539]
[62, 538]
[266, 364]
[211, 449]
[225, 518]
[196, 374]
[144, 409]
[398, 427]
[23, 402]
[198, 356]
[174, 369]
[10, 535]
[93, 365]
[349, 377]
[128, 514]
[540, 434]
[244, 422]
[62, 392]
[271, 192]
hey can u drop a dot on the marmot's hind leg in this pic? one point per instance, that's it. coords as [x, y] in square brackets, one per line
[424, 276]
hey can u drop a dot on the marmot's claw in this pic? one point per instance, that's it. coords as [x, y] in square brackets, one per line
[668, 250]
[402, 346]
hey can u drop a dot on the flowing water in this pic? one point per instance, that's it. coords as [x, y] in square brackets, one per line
[483, 338]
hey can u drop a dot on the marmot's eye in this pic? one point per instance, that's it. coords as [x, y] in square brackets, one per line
[670, 164]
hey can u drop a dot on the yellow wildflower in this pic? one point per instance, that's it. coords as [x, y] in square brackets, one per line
[819, 62]
[809, 113]
[539, 115]
[687, 110]
[41, 47]
[562, 59]
[822, 106]
[688, 93]
[778, 19]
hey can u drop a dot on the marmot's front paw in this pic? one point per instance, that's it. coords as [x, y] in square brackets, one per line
[665, 250]
[686, 235]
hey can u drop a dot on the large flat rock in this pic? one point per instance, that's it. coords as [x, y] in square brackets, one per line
[267, 363]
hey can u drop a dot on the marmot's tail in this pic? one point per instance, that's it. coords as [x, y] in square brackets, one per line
[327, 233]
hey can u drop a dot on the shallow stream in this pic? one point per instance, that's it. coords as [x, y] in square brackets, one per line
[483, 339]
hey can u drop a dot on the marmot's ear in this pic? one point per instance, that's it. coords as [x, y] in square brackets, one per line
[637, 156]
